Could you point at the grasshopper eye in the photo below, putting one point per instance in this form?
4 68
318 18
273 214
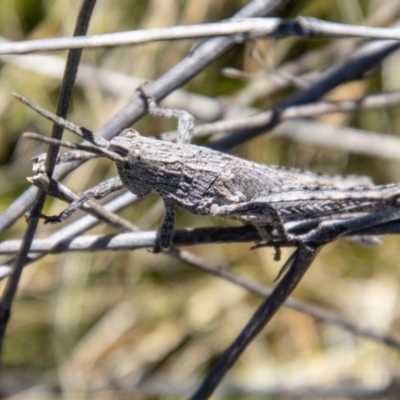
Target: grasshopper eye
130 133
136 157
138 154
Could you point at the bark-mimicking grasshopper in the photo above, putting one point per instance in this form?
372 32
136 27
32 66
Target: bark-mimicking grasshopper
212 183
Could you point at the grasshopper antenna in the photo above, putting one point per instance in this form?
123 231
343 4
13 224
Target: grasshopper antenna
76 146
80 131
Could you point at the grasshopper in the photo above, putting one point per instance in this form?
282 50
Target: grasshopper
211 183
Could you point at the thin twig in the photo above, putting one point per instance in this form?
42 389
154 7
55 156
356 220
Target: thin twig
75 228
10 290
303 258
380 223
357 65
240 29
304 67
318 108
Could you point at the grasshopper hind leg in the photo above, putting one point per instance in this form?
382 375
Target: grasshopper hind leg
261 215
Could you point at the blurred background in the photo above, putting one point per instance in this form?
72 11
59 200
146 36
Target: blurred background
131 324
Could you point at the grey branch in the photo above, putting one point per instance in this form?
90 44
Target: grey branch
260 119
242 29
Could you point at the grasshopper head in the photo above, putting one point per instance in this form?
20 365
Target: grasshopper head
135 172
122 143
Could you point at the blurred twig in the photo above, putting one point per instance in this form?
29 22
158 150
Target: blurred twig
351 140
339 391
